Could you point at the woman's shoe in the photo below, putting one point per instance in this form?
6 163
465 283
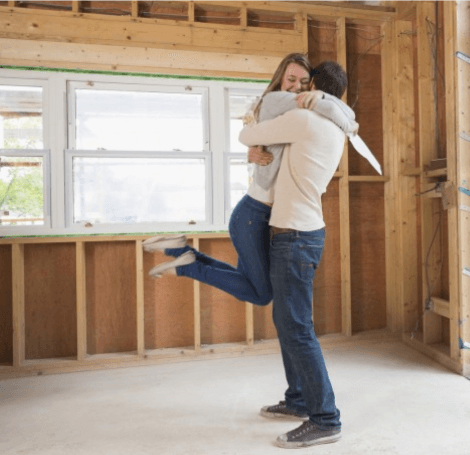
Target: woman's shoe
169 268
161 242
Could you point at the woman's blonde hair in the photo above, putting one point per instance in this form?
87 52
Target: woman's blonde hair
276 81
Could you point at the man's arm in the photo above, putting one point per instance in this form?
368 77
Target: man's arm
285 129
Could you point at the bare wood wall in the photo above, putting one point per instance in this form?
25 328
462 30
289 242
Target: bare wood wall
376 235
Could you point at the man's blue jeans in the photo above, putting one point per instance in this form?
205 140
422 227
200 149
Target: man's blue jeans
294 257
249 281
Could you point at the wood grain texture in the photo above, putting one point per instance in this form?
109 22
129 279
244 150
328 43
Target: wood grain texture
111 297
222 316
367 256
169 313
50 301
6 305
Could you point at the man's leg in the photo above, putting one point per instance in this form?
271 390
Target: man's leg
294 258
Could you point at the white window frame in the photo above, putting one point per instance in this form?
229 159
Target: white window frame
56 110
204 153
143 227
20 79
229 155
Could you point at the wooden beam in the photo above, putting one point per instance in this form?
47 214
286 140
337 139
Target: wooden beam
11 4
120 31
243 17
139 259
18 305
345 247
325 10
81 302
369 178
301 22
450 75
462 44
75 6
432 324
135 8
440 307
103 238
407 187
191 12
393 252
134 59
197 307
249 324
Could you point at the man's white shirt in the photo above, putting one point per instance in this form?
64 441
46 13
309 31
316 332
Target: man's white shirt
309 161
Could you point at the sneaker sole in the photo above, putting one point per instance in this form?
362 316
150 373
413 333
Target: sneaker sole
299 445
279 415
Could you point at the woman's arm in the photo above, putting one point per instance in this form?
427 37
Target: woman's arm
285 129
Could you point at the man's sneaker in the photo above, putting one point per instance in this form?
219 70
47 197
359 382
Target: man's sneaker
280 411
161 242
170 266
307 435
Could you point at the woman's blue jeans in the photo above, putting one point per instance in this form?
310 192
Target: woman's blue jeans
294 257
249 281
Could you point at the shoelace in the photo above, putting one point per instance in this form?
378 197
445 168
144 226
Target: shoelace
301 430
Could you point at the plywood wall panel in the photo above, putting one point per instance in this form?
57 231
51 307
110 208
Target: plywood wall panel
327 283
222 316
169 310
111 297
6 308
50 301
321 41
367 256
365 94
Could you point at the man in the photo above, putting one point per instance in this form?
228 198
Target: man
315 146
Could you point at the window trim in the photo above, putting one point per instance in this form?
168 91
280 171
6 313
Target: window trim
70 154
55 124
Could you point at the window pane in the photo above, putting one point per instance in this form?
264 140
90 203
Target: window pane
238 107
21 191
144 121
240 177
133 190
21 117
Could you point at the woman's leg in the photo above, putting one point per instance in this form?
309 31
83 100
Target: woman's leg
249 230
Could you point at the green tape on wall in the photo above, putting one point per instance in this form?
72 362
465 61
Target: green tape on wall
123 73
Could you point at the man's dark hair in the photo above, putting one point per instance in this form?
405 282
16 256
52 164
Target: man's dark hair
330 77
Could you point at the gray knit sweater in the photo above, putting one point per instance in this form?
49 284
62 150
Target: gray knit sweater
277 103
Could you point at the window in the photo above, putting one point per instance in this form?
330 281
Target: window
238 102
125 154
24 163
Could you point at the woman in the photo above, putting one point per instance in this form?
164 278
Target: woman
249 222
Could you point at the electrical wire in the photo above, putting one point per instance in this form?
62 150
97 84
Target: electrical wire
355 92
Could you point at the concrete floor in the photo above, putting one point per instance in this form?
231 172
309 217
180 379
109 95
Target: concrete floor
394 401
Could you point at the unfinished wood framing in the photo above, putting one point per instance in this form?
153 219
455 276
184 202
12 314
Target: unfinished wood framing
346 323
81 302
375 267
462 109
18 305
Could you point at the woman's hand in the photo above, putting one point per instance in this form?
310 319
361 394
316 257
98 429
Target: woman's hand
308 100
259 156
